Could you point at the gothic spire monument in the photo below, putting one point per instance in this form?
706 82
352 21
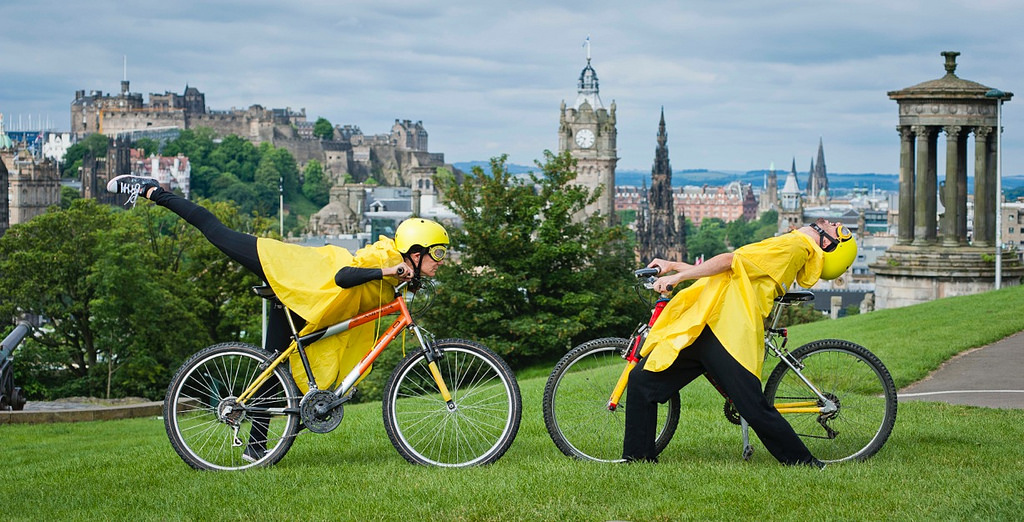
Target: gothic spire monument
587 130
817 179
660 233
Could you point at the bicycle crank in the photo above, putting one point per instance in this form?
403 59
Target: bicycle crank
317 414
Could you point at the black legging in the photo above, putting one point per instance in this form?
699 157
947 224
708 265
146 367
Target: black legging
646 389
240 247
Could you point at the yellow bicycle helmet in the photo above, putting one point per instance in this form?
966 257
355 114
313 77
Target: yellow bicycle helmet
840 254
423 233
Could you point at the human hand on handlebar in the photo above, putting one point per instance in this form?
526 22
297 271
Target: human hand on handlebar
665 284
402 271
665 266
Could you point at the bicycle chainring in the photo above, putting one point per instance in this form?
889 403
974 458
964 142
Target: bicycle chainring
731 412
320 423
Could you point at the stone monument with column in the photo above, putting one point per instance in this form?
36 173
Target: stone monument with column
931 258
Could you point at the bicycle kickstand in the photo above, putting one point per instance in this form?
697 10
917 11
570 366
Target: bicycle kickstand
748 450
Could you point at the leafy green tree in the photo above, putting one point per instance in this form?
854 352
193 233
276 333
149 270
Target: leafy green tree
197 144
267 186
533 275
112 326
323 129
229 311
68 195
236 156
288 170
708 240
315 185
149 146
738 233
766 226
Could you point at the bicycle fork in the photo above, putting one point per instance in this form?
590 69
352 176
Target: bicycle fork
632 355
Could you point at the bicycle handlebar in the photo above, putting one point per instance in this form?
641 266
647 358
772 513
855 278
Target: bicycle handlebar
647 276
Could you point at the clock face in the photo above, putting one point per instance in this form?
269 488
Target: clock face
585 138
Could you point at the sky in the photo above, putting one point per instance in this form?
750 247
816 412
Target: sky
744 84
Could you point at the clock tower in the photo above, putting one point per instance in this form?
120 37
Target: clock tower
587 131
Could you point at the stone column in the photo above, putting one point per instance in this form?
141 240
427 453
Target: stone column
984 230
925 181
949 194
995 200
961 189
906 224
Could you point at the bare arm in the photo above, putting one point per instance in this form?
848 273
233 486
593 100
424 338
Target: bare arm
686 272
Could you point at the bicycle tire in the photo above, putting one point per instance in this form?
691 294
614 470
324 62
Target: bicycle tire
198 430
575 403
861 384
488 407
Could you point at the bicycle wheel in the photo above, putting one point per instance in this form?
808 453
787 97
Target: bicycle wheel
856 380
576 403
201 415
484 420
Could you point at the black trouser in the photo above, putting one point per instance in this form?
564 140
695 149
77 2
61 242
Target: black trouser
240 247
706 354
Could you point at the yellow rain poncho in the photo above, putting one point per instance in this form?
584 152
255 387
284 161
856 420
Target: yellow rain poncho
303 279
734 303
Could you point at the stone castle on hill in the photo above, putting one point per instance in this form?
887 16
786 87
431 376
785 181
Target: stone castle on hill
399 158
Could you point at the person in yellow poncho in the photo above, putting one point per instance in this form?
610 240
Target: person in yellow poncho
716 326
320 285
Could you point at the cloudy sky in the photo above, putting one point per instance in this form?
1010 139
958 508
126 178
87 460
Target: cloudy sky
744 83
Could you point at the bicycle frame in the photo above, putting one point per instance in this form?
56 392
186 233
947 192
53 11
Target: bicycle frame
404 320
772 334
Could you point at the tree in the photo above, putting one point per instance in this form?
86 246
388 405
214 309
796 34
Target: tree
68 195
708 240
112 326
533 275
267 186
149 146
323 129
230 311
315 185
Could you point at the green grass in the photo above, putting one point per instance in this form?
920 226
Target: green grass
942 462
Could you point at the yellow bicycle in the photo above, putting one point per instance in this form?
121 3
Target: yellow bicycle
449 403
837 395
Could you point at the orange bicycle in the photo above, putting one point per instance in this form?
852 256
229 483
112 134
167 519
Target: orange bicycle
449 403
837 395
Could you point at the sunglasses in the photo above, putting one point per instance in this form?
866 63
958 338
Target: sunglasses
437 252
841 231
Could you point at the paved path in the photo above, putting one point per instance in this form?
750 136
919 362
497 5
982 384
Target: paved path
991 376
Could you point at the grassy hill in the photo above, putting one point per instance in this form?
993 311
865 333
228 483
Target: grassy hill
942 462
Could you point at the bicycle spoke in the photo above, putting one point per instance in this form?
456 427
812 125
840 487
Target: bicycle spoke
476 429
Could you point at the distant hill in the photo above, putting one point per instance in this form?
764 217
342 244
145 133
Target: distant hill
712 177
